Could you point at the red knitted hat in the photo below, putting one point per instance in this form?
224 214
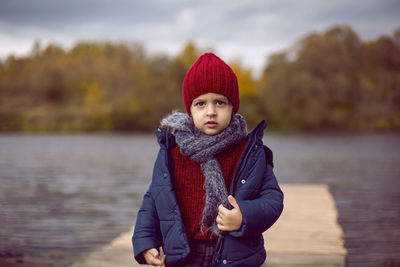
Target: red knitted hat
210 74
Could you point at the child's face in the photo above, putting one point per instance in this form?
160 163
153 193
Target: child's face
211 113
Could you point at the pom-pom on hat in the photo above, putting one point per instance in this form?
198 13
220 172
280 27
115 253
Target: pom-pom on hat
210 74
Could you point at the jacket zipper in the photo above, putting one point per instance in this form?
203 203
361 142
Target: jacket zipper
241 167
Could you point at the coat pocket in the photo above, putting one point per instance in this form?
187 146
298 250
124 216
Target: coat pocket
247 251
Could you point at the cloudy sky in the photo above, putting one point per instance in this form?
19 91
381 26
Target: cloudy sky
248 29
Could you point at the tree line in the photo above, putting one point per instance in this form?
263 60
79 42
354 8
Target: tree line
330 80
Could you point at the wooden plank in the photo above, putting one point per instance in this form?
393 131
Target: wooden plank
307 233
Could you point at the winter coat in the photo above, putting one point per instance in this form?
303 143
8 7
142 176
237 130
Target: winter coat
254 187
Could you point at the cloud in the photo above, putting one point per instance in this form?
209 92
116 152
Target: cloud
250 29
51 14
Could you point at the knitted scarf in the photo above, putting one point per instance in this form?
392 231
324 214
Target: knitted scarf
203 149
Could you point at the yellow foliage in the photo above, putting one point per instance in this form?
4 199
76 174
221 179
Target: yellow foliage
96 107
94 95
247 84
189 54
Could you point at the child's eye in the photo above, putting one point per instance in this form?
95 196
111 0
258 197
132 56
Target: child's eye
221 103
200 104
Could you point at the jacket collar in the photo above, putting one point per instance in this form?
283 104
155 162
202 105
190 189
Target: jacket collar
165 139
256 135
258 131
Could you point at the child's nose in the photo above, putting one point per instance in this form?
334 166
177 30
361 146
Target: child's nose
211 110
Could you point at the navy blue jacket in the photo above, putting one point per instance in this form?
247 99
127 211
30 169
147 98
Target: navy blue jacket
254 187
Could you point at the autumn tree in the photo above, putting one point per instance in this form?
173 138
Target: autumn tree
328 82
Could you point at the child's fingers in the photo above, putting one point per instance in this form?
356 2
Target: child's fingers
222 210
162 256
219 220
157 261
233 202
223 227
153 252
161 252
163 260
220 226
151 257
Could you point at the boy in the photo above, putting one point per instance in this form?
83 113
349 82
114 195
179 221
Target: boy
187 217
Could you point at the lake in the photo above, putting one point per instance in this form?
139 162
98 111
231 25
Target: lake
64 195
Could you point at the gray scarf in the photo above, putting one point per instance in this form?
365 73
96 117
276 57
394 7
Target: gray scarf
203 149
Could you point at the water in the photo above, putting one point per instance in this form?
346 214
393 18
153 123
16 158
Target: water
61 196
363 174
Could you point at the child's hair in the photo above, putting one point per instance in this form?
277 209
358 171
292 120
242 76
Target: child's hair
210 74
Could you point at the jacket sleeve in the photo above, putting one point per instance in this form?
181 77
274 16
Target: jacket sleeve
260 213
147 231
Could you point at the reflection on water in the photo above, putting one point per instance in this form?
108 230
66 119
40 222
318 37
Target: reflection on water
64 195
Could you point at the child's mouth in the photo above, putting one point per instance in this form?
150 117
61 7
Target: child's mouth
211 124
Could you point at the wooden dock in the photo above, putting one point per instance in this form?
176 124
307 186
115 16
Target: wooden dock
306 234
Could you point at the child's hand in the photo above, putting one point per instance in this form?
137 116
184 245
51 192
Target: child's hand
153 257
229 220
